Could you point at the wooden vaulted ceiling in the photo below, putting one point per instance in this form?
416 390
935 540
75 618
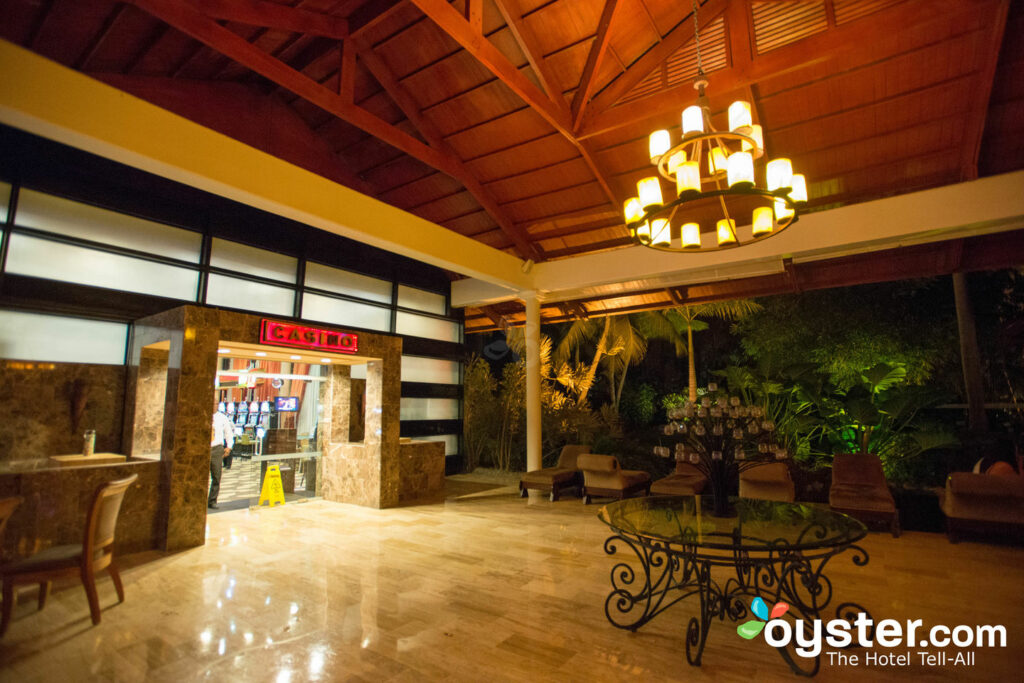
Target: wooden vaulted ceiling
523 123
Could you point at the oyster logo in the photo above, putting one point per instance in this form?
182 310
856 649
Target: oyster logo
750 629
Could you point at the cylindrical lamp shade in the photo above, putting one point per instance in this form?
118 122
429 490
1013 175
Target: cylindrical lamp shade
632 210
675 161
757 134
659 143
780 174
661 234
739 115
782 210
693 120
799 191
763 219
691 236
717 163
741 169
649 190
688 177
643 231
726 231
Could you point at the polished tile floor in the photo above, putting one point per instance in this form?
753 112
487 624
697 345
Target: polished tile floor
482 586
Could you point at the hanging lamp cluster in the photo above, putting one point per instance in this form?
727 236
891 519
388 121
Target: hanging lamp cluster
728 168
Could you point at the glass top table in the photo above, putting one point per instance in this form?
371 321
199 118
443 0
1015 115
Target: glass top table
670 548
756 525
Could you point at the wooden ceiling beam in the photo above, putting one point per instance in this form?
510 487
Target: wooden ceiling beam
369 14
272 15
984 78
854 41
449 20
398 92
593 65
191 22
534 55
680 35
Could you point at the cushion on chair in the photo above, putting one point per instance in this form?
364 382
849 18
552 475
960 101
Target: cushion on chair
679 485
858 469
597 463
55 557
853 497
569 455
968 484
633 477
549 476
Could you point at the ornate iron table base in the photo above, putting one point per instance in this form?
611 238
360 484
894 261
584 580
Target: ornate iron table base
673 572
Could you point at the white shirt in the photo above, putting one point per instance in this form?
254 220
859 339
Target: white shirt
223 430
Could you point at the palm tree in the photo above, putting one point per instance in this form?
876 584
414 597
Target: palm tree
617 345
677 325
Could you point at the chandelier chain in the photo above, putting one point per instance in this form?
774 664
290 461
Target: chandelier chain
696 40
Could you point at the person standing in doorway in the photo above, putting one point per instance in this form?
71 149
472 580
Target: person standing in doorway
221 441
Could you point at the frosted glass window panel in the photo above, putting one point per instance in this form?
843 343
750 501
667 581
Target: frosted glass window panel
347 283
345 313
422 326
5 201
34 337
358 371
55 261
251 296
451 442
432 370
252 261
421 300
430 409
65 217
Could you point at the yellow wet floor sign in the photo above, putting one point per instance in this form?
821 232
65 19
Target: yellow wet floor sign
273 490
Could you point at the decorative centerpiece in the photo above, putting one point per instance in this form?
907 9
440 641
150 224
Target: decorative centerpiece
721 437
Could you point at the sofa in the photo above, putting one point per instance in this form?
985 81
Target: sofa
602 476
768 482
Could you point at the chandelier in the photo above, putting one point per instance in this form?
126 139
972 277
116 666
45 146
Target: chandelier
720 177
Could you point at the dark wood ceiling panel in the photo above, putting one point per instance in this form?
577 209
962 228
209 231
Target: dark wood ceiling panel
446 208
535 154
423 190
557 203
491 100
472 224
566 174
869 98
502 132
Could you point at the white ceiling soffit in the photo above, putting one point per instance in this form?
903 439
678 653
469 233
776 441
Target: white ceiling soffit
987 205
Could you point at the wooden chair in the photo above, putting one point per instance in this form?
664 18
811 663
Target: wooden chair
96 552
859 489
602 477
768 482
564 475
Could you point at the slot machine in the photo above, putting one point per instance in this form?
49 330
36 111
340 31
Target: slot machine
265 414
242 414
221 407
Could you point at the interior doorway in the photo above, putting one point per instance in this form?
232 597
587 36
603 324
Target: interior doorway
276 399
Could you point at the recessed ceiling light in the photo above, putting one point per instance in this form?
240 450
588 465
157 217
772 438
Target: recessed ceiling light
296 357
223 350
325 360
261 353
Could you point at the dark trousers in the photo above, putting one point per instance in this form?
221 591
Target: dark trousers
216 463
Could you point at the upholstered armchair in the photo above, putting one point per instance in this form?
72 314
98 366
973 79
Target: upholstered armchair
983 503
768 482
602 476
687 480
859 489
564 475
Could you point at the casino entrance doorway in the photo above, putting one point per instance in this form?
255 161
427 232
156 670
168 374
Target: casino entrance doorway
277 401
